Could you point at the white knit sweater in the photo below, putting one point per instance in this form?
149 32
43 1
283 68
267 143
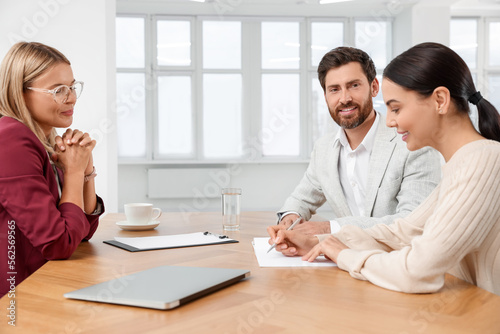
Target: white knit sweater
455 230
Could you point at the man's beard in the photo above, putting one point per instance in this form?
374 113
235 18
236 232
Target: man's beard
355 120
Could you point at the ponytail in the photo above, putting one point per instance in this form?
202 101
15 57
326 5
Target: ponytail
489 119
426 66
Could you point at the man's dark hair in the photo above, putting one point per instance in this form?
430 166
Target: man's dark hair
342 56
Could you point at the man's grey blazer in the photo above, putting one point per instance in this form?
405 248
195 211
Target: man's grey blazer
398 181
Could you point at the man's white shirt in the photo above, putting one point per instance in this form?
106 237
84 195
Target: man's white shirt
353 168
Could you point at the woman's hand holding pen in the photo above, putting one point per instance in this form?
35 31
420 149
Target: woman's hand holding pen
290 242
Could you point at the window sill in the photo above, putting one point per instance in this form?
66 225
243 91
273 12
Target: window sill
210 162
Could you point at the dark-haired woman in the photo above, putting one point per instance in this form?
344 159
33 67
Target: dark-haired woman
456 230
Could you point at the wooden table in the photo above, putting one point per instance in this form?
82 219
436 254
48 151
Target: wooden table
272 300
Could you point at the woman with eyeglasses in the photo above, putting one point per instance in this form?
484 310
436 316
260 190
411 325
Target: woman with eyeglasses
427 91
48 203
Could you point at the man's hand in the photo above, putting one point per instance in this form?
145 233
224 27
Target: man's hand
313 228
309 227
289 219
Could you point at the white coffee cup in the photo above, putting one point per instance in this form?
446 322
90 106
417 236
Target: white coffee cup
141 213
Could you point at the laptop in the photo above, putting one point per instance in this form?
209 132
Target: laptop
162 288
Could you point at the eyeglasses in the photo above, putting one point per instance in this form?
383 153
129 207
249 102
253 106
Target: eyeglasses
61 93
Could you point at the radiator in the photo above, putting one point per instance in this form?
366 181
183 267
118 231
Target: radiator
187 182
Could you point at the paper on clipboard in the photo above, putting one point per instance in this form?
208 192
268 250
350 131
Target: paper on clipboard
170 241
276 259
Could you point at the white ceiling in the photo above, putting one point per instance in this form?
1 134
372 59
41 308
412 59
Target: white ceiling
305 7
343 2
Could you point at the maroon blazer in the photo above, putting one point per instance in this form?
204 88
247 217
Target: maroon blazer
34 228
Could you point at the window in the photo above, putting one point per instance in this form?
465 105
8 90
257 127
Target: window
201 89
280 114
221 45
280 45
222 90
173 133
482 59
131 83
130 42
463 40
325 36
173 43
175 119
494 90
222 123
493 67
372 36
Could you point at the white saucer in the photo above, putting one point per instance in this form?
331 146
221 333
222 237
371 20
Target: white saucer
125 225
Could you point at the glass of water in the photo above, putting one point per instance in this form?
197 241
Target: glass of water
231 198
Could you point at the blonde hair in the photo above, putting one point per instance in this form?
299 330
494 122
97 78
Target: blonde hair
22 65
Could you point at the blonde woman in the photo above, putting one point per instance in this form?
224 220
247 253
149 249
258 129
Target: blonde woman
48 203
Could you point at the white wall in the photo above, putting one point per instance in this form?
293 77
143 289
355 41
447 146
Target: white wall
425 22
402 31
264 186
84 32
431 23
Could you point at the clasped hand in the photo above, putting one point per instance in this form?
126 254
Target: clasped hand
73 151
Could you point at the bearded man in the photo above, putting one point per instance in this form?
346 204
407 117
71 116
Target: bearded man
364 171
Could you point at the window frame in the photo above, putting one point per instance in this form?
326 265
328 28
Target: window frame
138 70
488 70
251 71
155 71
312 73
483 69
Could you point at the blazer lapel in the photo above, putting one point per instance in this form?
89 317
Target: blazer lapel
338 202
381 154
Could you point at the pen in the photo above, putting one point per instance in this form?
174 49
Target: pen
288 229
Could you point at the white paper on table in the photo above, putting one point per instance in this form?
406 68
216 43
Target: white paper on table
173 241
276 259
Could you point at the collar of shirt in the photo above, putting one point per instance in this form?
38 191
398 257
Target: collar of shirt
367 142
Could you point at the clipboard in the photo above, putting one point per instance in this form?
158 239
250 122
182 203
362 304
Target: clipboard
140 244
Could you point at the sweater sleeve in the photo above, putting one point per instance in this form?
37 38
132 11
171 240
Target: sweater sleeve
28 194
464 212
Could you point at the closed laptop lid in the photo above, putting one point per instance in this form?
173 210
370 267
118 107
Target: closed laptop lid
163 287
